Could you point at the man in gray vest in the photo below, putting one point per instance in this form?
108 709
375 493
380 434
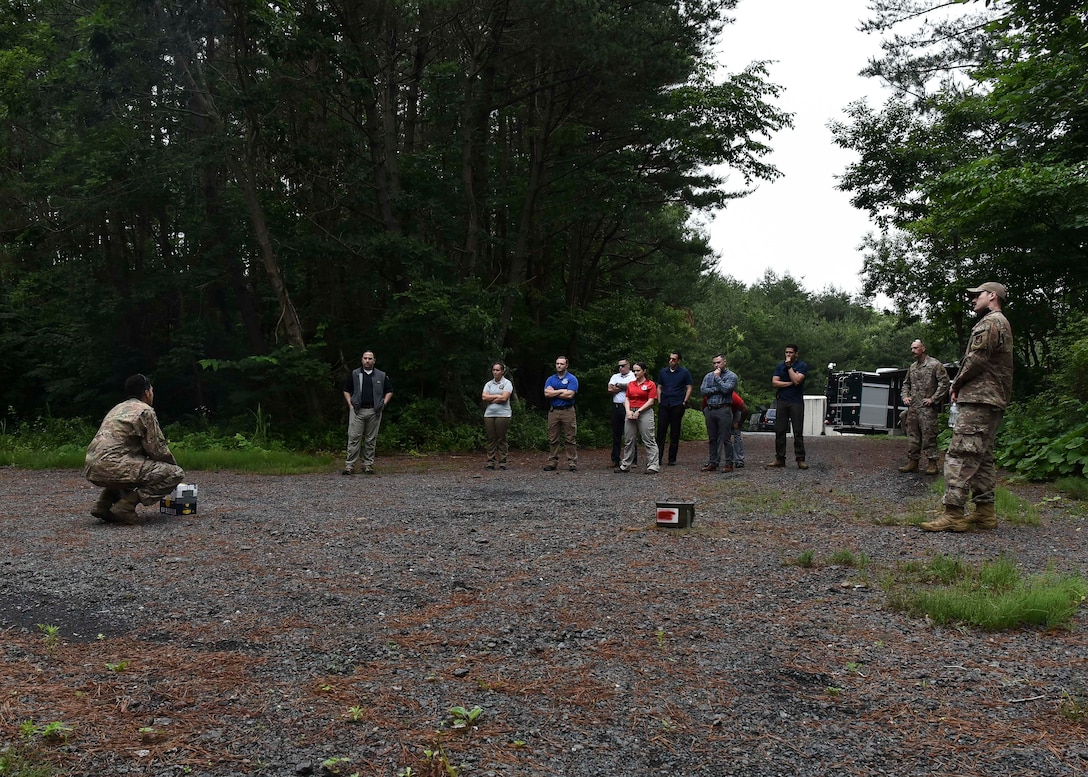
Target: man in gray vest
367 392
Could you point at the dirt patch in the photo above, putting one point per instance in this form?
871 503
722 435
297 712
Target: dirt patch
300 620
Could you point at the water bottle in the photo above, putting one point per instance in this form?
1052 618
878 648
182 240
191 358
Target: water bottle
953 413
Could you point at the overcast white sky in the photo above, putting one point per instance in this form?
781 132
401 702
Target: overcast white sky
800 224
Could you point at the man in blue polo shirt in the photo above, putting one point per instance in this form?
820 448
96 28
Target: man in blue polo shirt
560 390
673 392
788 381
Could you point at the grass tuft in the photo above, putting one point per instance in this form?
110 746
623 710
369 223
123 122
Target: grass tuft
1074 487
1014 509
993 597
847 558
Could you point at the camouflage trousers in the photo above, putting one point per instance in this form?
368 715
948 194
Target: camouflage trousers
920 424
155 480
969 464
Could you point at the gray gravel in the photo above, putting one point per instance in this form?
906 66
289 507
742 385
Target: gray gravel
306 618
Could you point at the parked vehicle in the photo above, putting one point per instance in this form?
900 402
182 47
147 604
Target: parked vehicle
763 421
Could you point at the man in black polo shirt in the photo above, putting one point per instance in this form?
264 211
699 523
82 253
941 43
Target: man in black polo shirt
674 386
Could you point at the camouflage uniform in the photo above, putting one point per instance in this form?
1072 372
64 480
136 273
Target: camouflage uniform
928 380
983 387
129 453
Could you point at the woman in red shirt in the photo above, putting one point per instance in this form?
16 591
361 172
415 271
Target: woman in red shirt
639 404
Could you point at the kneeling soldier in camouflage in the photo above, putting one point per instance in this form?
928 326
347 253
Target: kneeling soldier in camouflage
129 458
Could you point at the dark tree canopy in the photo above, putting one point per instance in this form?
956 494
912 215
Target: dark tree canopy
240 197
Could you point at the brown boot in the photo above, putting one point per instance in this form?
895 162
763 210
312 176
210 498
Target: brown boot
106 500
124 511
910 466
984 517
932 468
952 520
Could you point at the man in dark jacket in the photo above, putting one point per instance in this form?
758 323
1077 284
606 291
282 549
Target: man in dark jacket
367 392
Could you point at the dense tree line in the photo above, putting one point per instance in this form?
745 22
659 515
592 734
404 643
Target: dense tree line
240 196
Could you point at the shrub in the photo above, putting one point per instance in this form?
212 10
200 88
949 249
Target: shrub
1045 438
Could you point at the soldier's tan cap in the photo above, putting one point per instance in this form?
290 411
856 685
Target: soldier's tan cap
993 286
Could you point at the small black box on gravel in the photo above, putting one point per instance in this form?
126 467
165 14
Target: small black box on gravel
675 514
182 501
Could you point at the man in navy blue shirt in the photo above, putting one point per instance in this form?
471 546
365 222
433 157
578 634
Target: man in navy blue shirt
789 383
673 392
560 390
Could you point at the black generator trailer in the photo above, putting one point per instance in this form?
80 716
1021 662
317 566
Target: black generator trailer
865 402
868 402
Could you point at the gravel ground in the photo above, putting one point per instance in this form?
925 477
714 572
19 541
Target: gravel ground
303 619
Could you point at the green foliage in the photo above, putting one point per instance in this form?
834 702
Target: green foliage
50 635
1044 438
1014 509
1074 487
53 731
1074 707
231 216
805 559
461 717
993 597
828 327
24 761
847 558
975 169
693 424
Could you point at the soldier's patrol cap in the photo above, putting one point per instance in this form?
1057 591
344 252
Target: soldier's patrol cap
993 286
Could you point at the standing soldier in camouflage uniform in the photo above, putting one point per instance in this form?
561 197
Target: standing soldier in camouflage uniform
924 389
981 389
129 458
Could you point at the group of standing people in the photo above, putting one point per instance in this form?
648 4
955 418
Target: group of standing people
635 395
131 462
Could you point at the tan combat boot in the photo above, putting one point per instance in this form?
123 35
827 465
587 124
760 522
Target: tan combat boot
984 517
106 500
910 466
952 520
124 511
932 468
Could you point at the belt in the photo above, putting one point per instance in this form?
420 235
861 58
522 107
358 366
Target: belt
567 407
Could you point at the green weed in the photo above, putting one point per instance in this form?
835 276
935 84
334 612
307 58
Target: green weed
19 761
461 717
54 731
847 558
439 762
1074 487
333 765
255 460
50 635
1074 707
1015 510
805 559
993 597
912 514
